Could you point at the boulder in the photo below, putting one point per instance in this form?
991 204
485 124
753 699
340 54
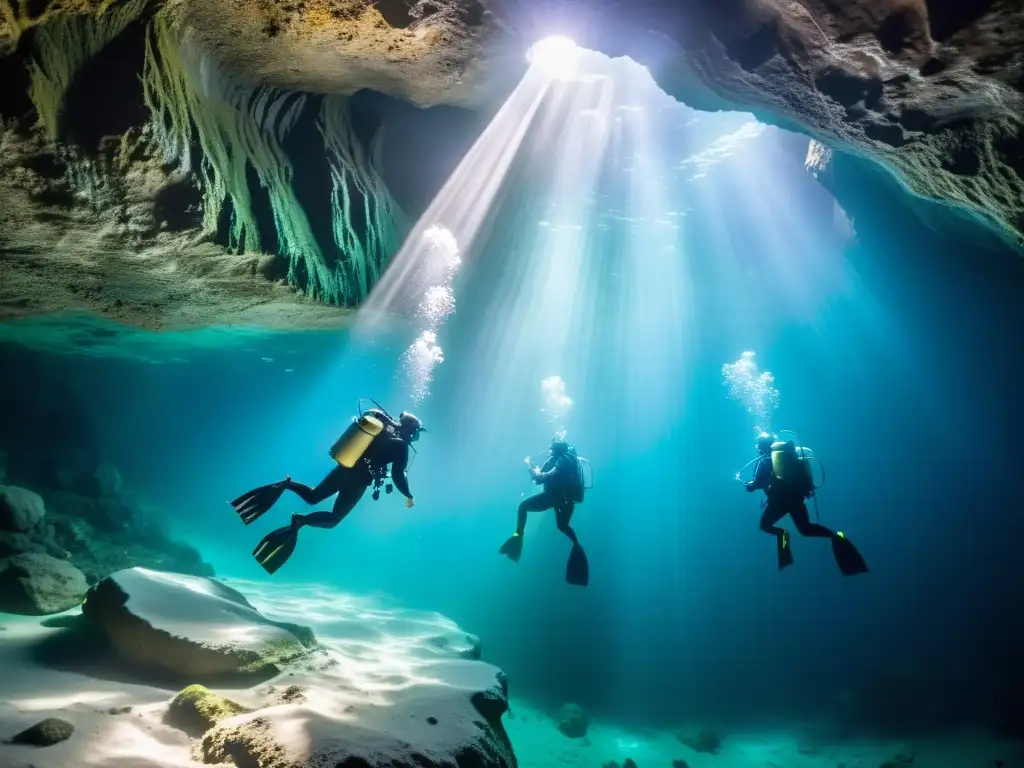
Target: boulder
573 721
190 627
45 733
15 544
35 584
704 740
451 718
20 509
197 709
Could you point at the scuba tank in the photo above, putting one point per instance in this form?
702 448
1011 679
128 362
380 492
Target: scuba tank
584 472
789 465
357 439
354 441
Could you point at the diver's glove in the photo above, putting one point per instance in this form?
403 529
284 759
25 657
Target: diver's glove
750 487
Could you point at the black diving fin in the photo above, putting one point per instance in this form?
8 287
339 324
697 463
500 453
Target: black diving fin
577 570
847 557
276 547
251 506
784 550
513 547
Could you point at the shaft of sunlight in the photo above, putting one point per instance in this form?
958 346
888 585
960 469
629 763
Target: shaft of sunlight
463 202
543 256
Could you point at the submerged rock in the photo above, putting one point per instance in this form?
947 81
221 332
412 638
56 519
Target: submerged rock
189 626
20 509
573 721
37 585
45 733
704 740
454 721
197 709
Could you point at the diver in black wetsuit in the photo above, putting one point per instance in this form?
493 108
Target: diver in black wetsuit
787 497
391 447
562 480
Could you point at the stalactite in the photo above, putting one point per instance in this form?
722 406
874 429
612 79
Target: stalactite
363 258
236 127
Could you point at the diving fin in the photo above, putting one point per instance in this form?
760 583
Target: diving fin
276 547
577 570
784 550
847 557
251 506
513 547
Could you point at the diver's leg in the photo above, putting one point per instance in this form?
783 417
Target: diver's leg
329 486
773 512
348 496
802 520
536 503
563 514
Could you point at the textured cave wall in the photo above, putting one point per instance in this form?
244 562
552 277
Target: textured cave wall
140 184
930 90
183 163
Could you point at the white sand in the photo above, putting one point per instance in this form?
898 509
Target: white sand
395 650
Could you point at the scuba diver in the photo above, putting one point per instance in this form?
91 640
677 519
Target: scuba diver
363 452
563 483
783 473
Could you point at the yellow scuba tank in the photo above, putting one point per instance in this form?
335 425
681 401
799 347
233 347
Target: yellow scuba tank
791 465
351 446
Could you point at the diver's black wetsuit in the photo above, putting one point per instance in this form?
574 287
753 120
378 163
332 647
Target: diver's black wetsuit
351 483
558 475
783 500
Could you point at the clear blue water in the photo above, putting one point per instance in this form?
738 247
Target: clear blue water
896 356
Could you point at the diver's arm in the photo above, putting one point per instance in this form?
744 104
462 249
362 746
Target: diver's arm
762 476
398 467
556 465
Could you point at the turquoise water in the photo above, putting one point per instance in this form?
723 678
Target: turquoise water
895 357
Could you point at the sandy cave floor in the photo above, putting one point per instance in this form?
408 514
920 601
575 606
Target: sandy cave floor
107 737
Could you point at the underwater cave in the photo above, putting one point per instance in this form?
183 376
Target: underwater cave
630 384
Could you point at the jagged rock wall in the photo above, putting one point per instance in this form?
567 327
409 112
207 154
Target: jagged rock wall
184 202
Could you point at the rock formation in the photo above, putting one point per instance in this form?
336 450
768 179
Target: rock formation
385 686
185 163
62 505
38 584
188 626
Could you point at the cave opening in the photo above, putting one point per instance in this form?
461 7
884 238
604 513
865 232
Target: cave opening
105 97
948 17
15 101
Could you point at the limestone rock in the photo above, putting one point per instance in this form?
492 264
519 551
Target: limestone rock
453 721
189 626
197 709
20 509
36 584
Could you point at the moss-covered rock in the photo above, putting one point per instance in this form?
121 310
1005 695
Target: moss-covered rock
45 733
197 709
